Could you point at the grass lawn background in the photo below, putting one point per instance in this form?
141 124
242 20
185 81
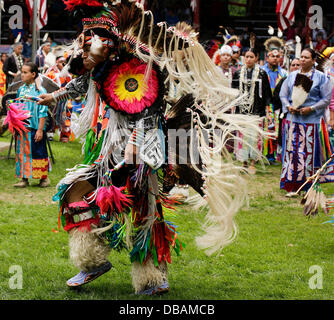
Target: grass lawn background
270 259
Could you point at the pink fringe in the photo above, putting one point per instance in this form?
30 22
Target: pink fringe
15 118
112 197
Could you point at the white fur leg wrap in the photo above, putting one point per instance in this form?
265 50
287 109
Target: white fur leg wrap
87 250
147 275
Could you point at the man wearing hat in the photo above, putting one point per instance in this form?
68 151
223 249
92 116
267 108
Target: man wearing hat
13 64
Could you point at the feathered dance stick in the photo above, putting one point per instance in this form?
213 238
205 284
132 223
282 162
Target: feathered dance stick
300 91
315 196
17 118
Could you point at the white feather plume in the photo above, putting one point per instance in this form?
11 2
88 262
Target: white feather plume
18 38
298 49
45 37
279 33
271 30
311 44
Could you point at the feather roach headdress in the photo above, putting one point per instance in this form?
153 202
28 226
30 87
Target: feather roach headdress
232 40
273 43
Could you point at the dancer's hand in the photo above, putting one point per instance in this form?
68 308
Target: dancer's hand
305 111
38 135
46 99
293 109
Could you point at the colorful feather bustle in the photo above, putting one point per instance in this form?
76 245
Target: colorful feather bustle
16 118
126 89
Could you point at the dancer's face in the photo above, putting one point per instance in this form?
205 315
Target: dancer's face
18 49
225 58
295 65
274 58
91 60
306 61
236 55
61 63
250 59
26 75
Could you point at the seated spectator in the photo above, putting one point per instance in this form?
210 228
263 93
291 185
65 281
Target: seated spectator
321 42
50 40
315 32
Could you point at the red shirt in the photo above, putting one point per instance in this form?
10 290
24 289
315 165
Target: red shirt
321 46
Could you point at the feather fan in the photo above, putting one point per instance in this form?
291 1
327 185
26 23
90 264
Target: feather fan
301 89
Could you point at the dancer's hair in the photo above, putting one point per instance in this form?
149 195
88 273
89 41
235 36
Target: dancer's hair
253 50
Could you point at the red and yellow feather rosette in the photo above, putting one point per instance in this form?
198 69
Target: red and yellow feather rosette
126 90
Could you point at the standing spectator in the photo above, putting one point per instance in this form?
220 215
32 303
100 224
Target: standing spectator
330 74
42 52
225 53
306 154
295 65
31 152
2 76
56 73
251 79
275 74
236 59
13 64
27 48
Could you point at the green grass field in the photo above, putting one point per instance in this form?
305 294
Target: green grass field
270 259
